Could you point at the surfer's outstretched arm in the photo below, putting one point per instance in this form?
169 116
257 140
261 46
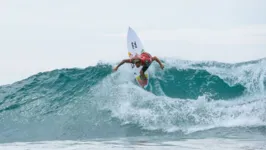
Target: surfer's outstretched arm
158 61
121 63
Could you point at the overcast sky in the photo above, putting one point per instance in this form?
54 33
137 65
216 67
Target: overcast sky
42 35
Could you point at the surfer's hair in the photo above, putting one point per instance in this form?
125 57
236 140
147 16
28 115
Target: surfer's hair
135 61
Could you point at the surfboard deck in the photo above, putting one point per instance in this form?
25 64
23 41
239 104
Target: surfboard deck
135 47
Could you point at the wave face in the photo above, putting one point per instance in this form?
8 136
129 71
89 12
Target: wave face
186 100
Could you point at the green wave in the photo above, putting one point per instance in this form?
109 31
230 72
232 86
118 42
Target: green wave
185 99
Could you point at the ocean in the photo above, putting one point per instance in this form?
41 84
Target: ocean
188 105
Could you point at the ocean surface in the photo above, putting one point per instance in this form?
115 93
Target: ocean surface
188 105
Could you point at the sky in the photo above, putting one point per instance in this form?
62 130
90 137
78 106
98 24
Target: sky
43 35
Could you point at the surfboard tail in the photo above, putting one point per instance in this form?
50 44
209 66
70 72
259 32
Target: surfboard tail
141 82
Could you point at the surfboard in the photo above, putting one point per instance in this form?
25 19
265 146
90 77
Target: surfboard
135 47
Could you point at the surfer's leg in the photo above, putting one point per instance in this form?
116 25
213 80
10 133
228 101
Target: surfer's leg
142 72
142 76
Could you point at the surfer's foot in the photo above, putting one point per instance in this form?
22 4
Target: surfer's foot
143 78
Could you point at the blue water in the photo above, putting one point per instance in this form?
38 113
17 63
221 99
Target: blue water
186 100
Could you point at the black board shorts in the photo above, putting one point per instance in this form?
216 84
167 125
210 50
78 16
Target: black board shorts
146 66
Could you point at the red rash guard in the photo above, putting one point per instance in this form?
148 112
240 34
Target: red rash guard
145 59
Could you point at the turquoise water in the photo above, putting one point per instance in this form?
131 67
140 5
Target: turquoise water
187 100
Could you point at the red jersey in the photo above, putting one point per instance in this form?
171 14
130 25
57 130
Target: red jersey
145 58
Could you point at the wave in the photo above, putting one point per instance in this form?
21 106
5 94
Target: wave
186 99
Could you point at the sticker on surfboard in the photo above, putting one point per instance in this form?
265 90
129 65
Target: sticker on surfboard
135 47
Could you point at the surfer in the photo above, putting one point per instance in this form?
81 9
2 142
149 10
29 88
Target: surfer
145 60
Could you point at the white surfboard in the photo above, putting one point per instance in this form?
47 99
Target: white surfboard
135 47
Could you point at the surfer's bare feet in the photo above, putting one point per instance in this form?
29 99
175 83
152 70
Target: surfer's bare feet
143 78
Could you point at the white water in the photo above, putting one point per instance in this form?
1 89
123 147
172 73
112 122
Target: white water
132 104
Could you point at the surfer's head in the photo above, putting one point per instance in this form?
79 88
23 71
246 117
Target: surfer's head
137 62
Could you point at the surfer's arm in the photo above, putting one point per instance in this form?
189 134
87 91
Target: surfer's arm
158 61
122 62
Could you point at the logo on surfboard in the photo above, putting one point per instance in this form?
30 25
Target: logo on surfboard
134 45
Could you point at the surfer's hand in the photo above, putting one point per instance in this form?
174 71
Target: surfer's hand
115 69
162 66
